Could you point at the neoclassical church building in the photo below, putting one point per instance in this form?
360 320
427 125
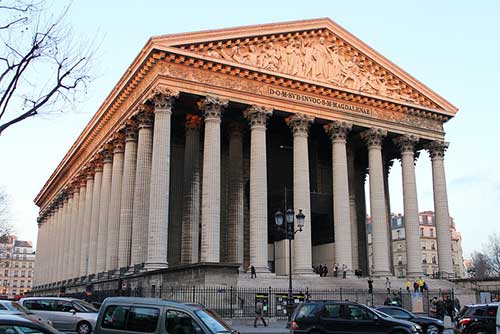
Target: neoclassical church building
208 134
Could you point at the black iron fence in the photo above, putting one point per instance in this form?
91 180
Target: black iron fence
232 302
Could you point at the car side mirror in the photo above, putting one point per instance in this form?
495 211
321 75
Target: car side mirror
72 311
198 330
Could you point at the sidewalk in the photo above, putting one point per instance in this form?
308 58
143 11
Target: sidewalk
274 327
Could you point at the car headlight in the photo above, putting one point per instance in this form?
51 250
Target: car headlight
416 328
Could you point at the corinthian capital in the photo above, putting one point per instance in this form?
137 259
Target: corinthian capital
193 122
130 130
144 116
118 142
437 148
406 143
373 136
338 130
212 107
299 124
162 97
257 115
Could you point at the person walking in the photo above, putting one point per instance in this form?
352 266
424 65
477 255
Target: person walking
421 284
335 270
415 286
388 285
440 308
325 270
253 272
370 285
344 271
259 309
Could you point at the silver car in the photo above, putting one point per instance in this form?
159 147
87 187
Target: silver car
66 314
15 307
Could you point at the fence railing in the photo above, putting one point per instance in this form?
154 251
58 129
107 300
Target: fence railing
238 302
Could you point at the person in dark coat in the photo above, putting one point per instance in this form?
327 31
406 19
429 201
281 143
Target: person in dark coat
253 272
259 310
370 285
440 308
325 270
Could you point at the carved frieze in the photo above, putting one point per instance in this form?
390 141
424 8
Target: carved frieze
321 57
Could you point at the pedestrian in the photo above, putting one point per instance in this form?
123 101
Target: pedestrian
388 285
449 306
440 308
325 270
253 272
433 309
388 300
420 284
415 286
456 302
344 271
408 285
370 285
259 313
335 270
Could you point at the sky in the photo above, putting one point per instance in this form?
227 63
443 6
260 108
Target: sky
450 46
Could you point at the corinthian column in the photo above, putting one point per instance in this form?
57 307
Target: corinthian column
341 208
351 175
257 116
94 222
212 108
236 194
72 247
102 239
160 179
441 213
61 250
140 212
191 203
127 199
87 222
302 245
79 230
406 144
380 239
115 202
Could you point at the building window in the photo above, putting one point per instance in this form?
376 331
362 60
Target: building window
16 264
399 234
14 284
15 273
422 232
6 272
29 273
433 246
24 264
21 284
5 283
434 260
29 284
400 260
23 273
432 232
424 259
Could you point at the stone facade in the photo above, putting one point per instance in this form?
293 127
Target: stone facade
17 266
200 143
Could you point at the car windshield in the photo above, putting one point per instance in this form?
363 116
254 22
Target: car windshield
86 306
15 306
213 321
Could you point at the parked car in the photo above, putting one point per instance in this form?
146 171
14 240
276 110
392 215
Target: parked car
149 315
429 325
13 306
66 314
330 317
21 324
477 319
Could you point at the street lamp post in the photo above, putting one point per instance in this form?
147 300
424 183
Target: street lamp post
289 231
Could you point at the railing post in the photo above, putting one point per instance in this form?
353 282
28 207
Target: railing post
231 302
194 288
341 294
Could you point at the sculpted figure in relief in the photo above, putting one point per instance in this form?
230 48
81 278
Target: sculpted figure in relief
318 59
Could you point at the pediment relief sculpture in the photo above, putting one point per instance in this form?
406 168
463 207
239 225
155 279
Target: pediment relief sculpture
323 59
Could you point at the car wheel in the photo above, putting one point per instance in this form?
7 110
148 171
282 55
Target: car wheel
83 328
432 330
480 331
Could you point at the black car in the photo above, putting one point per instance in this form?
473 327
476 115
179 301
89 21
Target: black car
477 319
21 324
330 317
429 325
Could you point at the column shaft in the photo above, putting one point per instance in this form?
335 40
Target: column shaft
412 236
341 206
62 250
72 249
191 202
160 181
87 226
102 239
79 231
140 212
351 175
302 244
236 194
211 184
257 117
380 241
441 212
127 199
94 223
115 203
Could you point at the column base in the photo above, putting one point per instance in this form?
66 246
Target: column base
304 272
155 265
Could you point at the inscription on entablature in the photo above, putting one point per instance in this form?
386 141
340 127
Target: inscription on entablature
318 101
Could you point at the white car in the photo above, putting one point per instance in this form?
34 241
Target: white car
66 314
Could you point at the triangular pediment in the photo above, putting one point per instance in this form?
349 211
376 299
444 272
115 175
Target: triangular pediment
315 50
